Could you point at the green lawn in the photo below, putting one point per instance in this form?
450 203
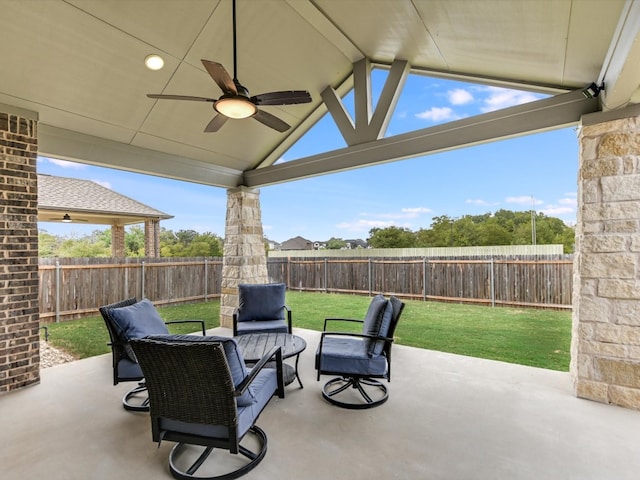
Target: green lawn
538 338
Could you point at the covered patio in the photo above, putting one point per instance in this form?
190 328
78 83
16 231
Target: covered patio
448 417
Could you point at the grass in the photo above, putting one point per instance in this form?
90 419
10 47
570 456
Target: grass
538 338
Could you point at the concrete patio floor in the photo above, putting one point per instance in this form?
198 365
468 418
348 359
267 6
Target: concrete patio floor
448 417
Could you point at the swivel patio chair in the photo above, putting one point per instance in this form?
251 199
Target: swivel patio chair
129 319
202 396
261 309
359 359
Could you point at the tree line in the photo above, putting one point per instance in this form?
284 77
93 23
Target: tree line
183 243
504 227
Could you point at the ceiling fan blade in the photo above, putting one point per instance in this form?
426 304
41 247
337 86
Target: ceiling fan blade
289 97
220 76
271 121
180 97
215 124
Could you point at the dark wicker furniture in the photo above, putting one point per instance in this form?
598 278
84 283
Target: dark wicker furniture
261 309
124 363
359 359
203 397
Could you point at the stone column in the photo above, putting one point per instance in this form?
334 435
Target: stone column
245 259
605 350
152 238
117 241
19 308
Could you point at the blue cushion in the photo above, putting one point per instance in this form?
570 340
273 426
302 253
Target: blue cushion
139 320
261 301
348 355
235 360
377 322
262 326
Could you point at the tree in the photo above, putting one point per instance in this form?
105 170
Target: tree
391 237
336 243
134 241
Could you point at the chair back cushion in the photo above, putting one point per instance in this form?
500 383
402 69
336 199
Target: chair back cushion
261 301
377 322
237 367
138 320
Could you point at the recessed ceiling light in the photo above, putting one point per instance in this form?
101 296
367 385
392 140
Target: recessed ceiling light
154 62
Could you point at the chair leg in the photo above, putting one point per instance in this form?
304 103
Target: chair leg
136 399
254 459
376 396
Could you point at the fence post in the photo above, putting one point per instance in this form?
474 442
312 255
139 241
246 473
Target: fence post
493 287
324 280
424 279
370 275
57 291
142 279
206 279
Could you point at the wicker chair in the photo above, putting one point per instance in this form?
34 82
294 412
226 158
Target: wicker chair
120 319
202 396
262 309
359 358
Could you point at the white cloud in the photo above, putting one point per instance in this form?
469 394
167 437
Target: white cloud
407 212
502 98
64 163
572 202
524 200
436 114
554 211
459 96
364 225
103 183
415 211
480 202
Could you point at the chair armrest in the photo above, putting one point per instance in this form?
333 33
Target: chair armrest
274 352
351 320
235 321
201 322
356 335
286 307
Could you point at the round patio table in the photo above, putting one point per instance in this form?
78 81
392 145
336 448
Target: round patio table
255 345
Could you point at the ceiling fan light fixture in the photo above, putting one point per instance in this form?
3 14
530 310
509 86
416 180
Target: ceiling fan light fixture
66 218
154 62
235 107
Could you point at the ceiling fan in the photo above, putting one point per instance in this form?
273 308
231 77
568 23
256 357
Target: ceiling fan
235 101
66 218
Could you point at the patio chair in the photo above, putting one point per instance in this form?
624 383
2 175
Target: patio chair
202 396
129 319
359 359
261 309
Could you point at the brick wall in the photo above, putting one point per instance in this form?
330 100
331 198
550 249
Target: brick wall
152 238
605 353
117 241
19 322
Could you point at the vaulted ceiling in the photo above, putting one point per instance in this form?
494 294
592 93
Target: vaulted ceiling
79 66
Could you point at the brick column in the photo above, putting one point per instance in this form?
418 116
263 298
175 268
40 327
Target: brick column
245 259
152 238
117 241
19 318
605 350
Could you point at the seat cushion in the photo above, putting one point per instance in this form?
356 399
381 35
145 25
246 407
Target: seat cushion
349 356
237 367
262 326
377 323
261 301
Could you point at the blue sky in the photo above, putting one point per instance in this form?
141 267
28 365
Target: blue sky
514 174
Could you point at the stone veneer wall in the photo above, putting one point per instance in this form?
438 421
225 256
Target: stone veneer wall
605 354
19 320
245 259
117 241
152 238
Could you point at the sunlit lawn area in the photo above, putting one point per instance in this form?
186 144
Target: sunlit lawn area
539 338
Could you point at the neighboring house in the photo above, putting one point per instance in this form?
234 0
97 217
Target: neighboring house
319 245
272 244
68 200
358 243
297 243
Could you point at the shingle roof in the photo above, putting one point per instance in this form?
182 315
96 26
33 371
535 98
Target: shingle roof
85 196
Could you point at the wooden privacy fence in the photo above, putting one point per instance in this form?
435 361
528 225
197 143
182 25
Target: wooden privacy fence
75 287
515 281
